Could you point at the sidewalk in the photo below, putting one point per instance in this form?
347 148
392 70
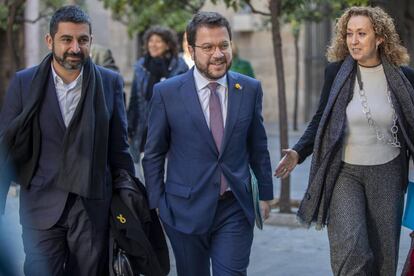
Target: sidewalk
277 250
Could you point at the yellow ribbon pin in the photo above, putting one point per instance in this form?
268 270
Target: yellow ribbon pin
121 218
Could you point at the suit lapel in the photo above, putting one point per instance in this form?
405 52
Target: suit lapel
233 106
189 96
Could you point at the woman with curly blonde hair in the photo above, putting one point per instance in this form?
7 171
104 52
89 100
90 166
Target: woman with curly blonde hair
361 138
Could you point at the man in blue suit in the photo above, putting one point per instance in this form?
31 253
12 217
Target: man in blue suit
63 131
208 123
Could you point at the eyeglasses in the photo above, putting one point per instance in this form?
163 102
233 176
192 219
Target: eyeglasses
210 49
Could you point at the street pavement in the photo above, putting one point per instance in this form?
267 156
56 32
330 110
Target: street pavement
281 248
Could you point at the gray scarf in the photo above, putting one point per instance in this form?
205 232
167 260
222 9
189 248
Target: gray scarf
326 160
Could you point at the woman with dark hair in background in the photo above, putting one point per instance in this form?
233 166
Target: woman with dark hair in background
361 137
160 62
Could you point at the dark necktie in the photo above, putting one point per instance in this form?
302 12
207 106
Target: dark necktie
216 125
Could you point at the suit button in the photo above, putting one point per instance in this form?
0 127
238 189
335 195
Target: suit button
308 196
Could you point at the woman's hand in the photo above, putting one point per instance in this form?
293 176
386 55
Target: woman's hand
287 163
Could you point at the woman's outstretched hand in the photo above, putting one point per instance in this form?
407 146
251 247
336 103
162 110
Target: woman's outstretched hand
287 163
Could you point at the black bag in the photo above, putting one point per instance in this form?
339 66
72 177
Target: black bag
121 264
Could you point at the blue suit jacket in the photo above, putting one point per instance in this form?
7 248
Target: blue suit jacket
177 130
41 205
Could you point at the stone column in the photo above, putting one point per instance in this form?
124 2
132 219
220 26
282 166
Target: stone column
32 32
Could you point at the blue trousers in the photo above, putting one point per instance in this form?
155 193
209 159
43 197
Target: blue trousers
227 244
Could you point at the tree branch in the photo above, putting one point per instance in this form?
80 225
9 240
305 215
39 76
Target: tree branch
21 19
195 8
192 7
121 19
254 10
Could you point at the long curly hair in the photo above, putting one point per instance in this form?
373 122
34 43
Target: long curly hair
383 26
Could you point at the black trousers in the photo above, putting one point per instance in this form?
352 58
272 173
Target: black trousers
71 247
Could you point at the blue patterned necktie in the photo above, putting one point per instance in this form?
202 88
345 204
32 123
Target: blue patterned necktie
216 125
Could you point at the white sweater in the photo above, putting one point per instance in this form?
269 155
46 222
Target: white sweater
361 146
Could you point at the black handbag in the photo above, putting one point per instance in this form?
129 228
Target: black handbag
121 264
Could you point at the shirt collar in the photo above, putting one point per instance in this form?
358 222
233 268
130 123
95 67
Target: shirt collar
71 85
201 81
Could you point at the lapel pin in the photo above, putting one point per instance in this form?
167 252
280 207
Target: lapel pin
238 86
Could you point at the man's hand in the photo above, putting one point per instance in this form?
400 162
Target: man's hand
265 208
287 164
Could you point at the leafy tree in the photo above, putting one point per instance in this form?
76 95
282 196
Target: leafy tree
139 15
12 36
297 12
10 40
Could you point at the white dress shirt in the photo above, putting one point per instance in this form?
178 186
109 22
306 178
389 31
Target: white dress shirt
68 95
203 93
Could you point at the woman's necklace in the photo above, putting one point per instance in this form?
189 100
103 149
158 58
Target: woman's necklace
393 140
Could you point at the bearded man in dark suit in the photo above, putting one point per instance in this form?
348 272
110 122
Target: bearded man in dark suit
63 130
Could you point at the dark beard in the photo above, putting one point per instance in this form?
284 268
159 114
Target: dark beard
207 74
68 65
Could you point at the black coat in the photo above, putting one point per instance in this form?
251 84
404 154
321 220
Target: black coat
139 104
136 229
